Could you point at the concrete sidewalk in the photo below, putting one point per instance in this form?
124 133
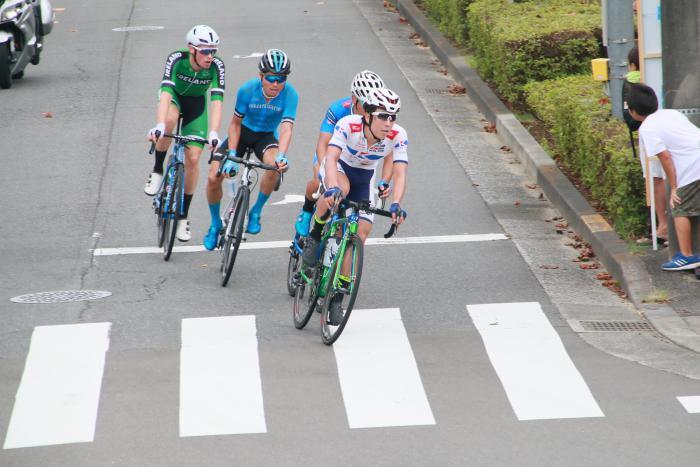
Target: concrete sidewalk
639 274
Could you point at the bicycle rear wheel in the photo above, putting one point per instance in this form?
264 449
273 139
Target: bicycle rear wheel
234 234
330 333
301 313
172 214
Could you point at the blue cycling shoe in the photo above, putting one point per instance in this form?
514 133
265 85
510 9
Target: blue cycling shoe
254 222
303 223
212 237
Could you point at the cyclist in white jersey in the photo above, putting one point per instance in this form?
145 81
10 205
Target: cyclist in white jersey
358 144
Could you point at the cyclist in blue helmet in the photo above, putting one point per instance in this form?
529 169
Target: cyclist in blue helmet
263 120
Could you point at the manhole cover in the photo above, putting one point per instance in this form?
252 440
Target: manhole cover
60 296
138 28
612 326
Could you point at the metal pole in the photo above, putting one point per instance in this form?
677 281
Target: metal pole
619 32
680 23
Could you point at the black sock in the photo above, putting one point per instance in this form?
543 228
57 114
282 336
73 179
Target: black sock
188 200
308 205
316 230
160 159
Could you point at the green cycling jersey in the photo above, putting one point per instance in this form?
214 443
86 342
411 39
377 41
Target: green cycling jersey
179 77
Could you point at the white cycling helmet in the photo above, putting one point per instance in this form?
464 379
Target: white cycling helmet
364 82
382 98
202 36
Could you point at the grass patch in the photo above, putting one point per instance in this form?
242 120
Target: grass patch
657 296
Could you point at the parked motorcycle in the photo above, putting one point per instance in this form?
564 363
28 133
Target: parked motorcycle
23 25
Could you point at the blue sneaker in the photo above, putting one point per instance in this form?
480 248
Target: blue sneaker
681 263
212 237
303 223
254 222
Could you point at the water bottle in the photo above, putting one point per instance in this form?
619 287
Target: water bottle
331 250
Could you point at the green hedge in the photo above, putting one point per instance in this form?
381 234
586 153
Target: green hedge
516 43
450 17
593 145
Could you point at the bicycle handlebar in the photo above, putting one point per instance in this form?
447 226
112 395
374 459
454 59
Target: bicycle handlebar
246 162
179 138
367 207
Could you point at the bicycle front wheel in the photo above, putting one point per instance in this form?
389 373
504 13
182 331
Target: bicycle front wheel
340 292
234 234
293 268
172 213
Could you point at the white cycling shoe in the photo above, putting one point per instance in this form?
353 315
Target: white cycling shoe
153 184
183 233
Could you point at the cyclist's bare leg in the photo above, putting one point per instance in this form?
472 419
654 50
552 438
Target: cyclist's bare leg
363 231
170 124
214 190
269 178
192 154
323 204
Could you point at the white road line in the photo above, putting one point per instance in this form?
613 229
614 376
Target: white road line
690 403
220 386
285 244
59 393
378 375
538 376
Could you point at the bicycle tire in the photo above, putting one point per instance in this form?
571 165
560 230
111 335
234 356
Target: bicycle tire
328 334
234 234
173 214
292 269
160 218
302 318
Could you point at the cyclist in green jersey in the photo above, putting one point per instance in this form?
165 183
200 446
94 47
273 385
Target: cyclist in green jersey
189 74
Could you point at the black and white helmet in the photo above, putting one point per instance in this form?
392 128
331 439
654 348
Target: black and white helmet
275 61
364 82
202 36
382 98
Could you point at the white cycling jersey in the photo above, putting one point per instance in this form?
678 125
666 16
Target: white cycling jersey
349 137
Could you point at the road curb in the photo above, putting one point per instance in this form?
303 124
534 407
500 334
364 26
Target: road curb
540 168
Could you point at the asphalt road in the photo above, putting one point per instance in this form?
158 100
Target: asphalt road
73 183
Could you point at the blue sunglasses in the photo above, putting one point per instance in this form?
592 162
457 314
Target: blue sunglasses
207 51
275 78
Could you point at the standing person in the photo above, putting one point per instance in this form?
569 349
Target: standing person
262 105
359 142
363 82
669 135
632 77
189 74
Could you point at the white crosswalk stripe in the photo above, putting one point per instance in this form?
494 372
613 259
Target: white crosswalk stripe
539 378
59 393
690 403
220 387
378 373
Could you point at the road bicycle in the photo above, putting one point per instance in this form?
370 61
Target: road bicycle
169 202
297 246
235 220
340 242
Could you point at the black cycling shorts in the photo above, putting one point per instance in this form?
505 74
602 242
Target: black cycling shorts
258 141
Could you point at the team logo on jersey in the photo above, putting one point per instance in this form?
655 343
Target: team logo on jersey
347 104
392 134
356 127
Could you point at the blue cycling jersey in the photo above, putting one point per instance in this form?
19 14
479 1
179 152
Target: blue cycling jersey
337 110
260 115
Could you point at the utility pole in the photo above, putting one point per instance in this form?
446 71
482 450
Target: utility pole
618 36
680 20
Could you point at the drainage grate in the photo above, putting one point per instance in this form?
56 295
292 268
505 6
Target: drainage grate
612 326
60 296
436 91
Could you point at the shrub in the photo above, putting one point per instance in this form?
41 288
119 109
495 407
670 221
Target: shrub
450 17
516 43
593 145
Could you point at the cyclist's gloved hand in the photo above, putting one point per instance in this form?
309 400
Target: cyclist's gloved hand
156 132
397 214
384 188
282 161
230 166
214 140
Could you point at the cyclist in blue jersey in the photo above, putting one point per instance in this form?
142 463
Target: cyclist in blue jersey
264 106
362 84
